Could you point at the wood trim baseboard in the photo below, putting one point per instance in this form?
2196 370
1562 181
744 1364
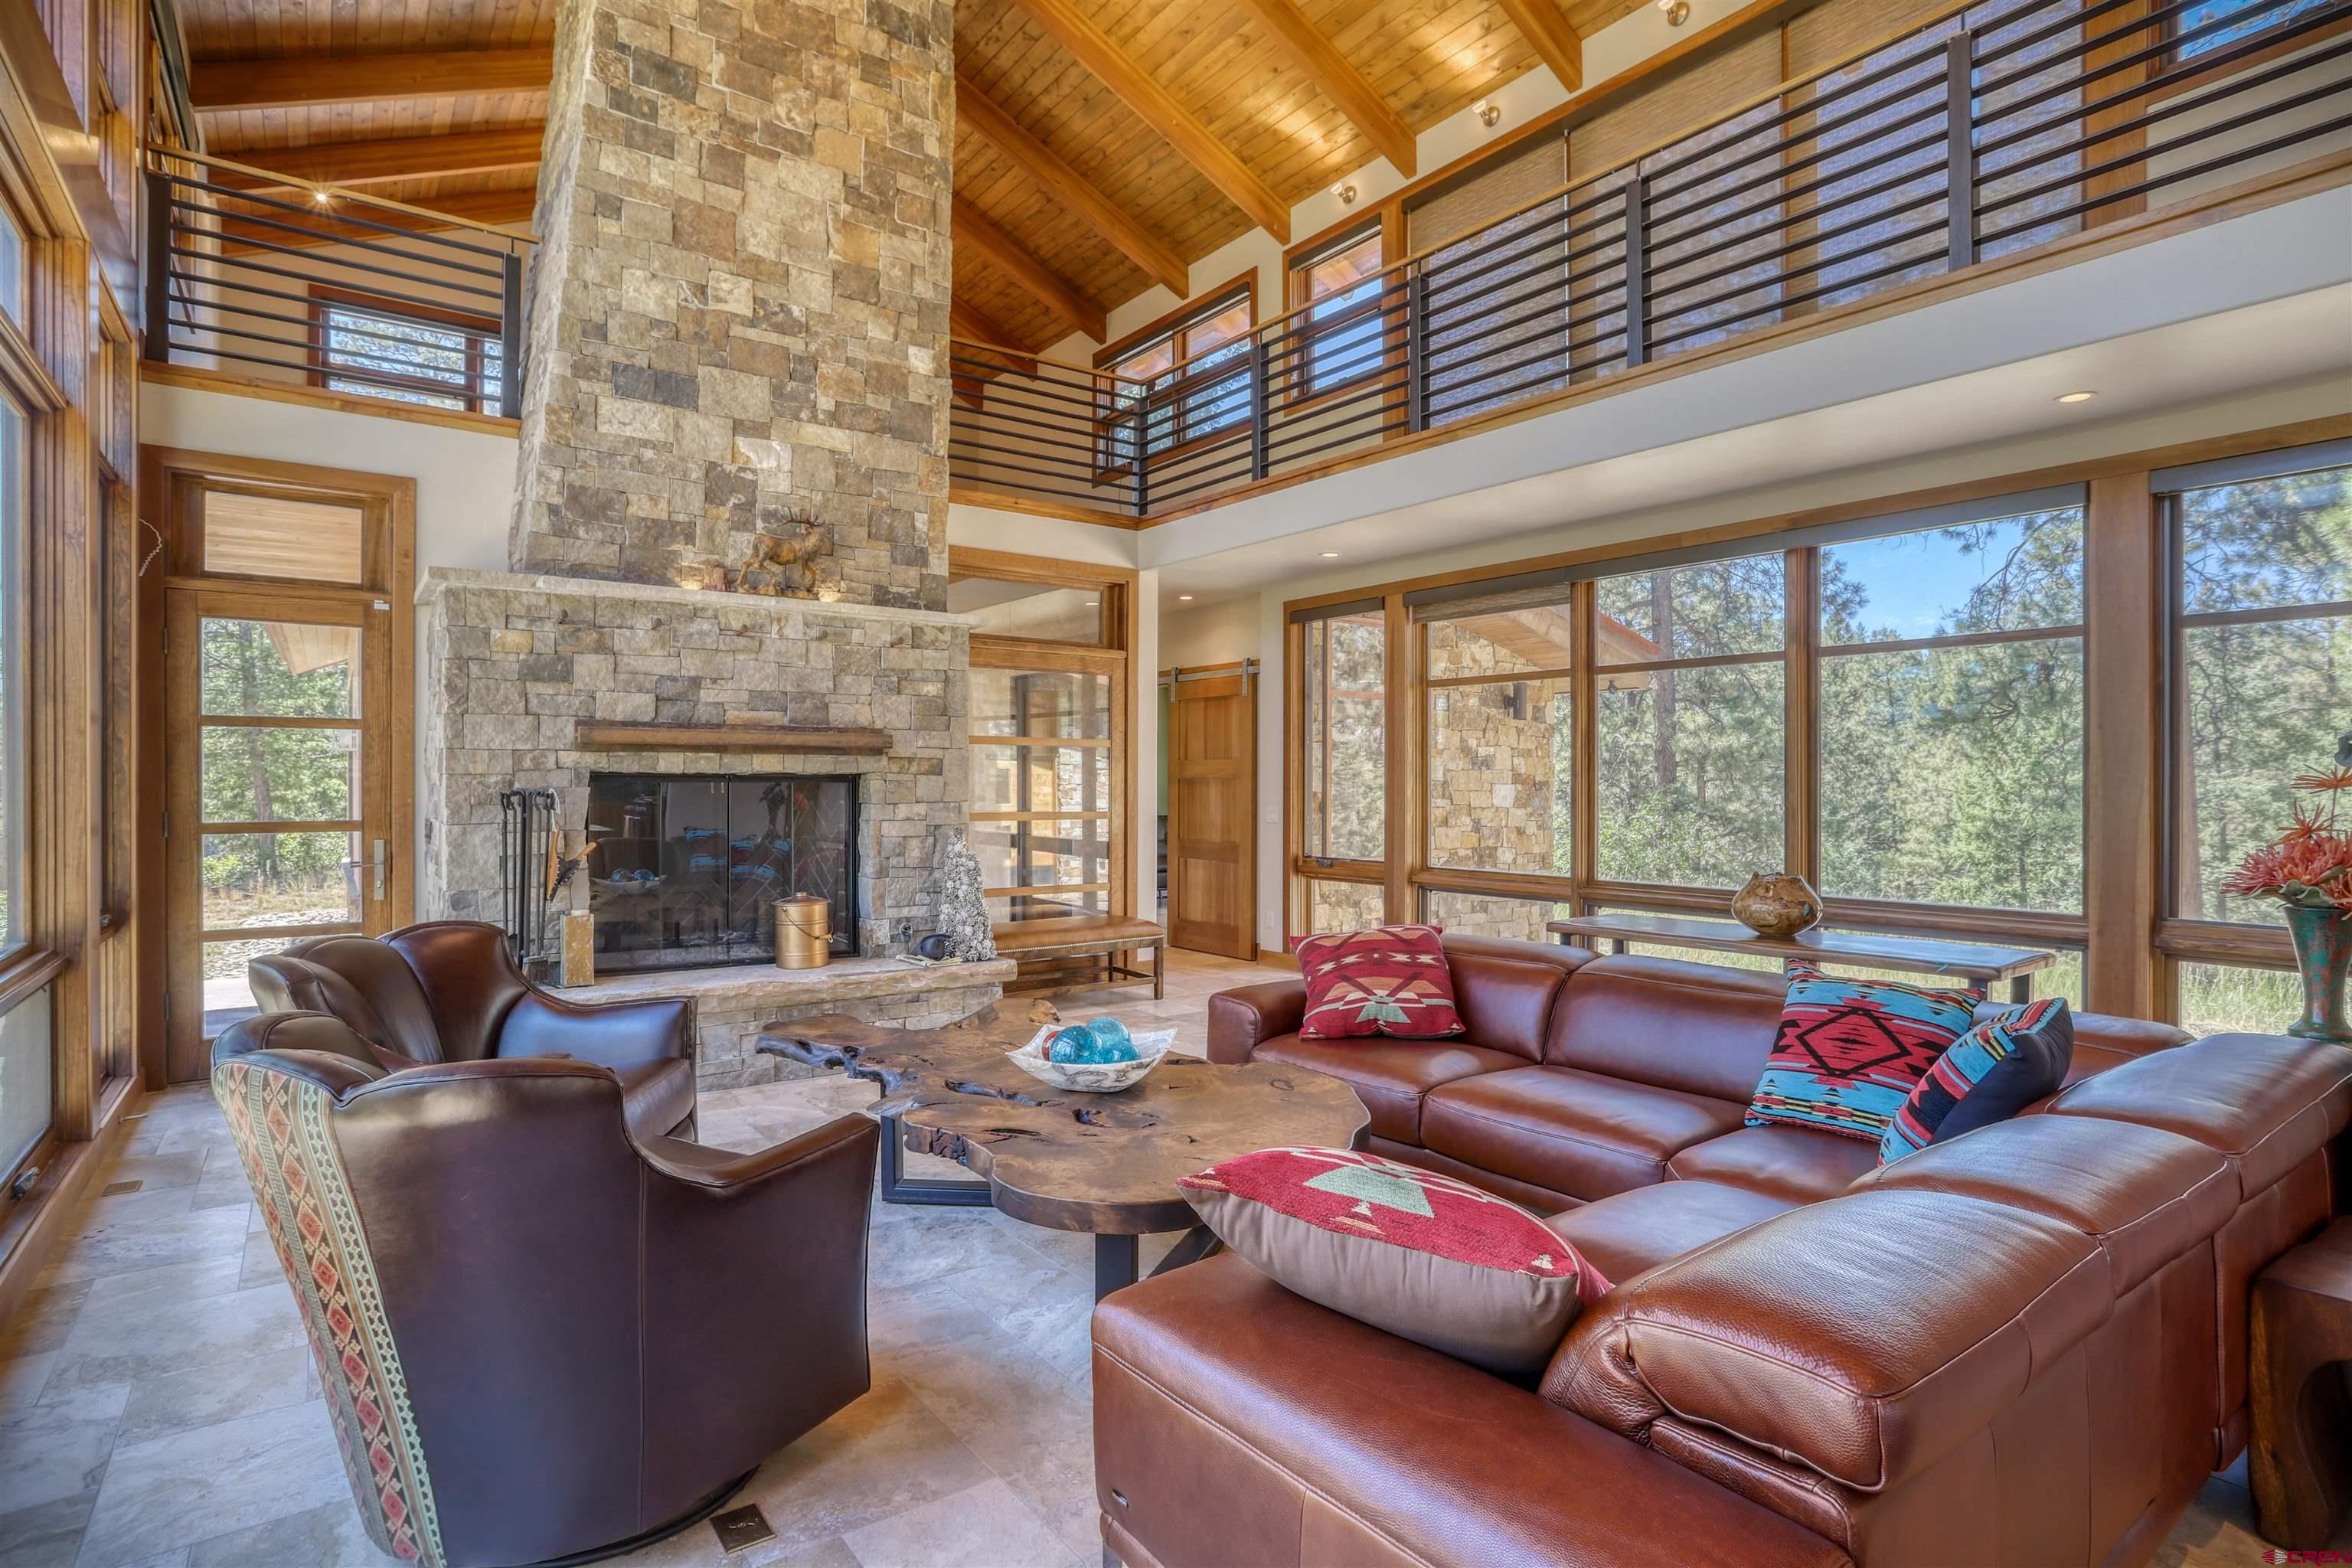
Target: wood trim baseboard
33 1230
1034 506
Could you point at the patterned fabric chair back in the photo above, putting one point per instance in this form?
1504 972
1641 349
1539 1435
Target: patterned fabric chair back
281 1122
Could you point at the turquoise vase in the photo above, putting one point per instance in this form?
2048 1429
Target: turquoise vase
2323 951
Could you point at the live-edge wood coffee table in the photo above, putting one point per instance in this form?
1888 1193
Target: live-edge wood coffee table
1104 1164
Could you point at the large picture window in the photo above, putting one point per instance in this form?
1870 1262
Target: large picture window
1691 702
1951 714
2263 683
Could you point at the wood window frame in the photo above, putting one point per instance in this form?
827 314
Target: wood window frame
172 486
1172 324
2186 939
2128 949
1116 587
61 361
1385 221
477 395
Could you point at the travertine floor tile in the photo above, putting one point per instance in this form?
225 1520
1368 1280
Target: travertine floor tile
985 1527
194 1485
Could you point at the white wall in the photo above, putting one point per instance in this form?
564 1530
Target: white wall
1215 632
465 478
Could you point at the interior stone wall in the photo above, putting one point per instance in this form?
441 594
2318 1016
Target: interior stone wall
514 663
739 314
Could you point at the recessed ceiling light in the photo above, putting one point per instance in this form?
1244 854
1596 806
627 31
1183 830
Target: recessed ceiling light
1092 602
2077 396
1183 598
1331 556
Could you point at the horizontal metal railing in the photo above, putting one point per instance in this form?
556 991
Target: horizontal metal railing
2001 126
276 278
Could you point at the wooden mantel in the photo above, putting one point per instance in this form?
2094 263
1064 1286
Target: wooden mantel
592 735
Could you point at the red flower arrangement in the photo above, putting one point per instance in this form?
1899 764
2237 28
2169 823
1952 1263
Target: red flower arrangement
2309 865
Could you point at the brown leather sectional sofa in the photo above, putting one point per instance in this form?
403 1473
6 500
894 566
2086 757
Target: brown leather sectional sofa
2026 1345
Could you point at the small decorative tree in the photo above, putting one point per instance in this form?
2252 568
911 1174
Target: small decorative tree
963 913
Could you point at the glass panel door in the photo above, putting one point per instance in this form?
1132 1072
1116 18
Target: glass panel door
1045 755
277 827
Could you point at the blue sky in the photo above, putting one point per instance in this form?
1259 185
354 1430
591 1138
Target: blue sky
1911 581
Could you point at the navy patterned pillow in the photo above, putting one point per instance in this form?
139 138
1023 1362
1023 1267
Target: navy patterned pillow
1992 1072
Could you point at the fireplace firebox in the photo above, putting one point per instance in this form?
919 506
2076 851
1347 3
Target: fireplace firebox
684 870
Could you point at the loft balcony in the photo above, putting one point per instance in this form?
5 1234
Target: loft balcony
1941 161
260 278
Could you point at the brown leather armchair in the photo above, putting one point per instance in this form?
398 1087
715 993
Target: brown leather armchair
543 1336
448 991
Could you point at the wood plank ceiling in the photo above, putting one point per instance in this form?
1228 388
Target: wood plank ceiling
1104 145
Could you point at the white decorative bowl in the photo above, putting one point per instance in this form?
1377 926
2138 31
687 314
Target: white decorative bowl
1092 1078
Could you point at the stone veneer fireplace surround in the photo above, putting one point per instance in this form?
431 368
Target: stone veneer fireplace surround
511 663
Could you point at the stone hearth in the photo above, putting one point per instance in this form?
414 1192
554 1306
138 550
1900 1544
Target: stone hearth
732 1006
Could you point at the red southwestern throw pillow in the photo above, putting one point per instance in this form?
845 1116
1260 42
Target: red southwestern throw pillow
1850 1052
1393 981
1423 1255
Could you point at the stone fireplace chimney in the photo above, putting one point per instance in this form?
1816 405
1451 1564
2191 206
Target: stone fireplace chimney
731 507
738 321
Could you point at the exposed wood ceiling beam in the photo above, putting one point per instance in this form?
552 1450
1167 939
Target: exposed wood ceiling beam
1338 81
1547 29
1007 255
397 158
977 111
512 206
366 79
1076 32
973 324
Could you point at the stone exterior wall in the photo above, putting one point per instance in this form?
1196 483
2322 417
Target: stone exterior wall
737 320
512 663
1493 785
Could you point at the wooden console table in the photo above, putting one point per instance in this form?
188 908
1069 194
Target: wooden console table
1911 954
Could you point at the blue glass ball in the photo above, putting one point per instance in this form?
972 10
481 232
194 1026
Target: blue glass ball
1087 1045
1112 1035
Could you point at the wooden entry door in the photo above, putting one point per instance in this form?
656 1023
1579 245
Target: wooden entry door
1213 809
278 786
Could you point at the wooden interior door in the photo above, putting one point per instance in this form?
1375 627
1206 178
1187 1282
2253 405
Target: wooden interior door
1212 810
278 787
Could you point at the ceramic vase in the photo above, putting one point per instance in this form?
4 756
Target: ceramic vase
1780 904
2322 952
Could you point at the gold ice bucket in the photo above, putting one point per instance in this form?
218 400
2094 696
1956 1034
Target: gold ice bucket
803 931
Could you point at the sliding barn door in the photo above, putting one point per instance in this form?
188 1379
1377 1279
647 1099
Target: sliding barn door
1212 810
